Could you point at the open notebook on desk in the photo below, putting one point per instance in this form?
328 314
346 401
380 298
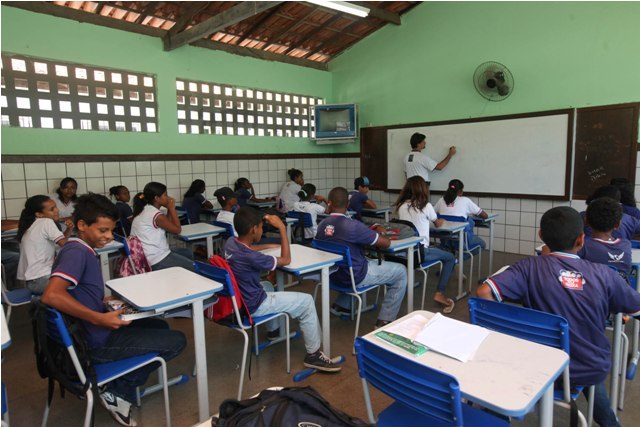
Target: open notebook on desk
444 335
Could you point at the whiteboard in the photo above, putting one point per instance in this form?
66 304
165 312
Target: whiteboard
513 156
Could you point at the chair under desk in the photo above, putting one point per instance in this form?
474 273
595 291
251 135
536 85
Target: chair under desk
487 223
199 231
406 245
157 291
103 252
449 229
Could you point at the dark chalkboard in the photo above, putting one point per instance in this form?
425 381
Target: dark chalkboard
606 146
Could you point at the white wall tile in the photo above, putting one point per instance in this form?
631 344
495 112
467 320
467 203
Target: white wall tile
527 248
143 180
54 171
143 168
14 190
172 167
232 166
173 181
512 232
94 170
111 169
95 185
498 204
513 204
111 181
512 246
498 230
543 205
185 180
197 166
127 168
221 178
76 170
34 170
12 171
221 166
82 185
528 205
512 218
527 234
528 219
157 168
131 183
498 245
13 208
211 180
36 186
53 184
243 165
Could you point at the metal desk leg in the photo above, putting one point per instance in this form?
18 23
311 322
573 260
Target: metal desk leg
104 266
209 246
615 363
201 361
461 291
490 247
546 407
386 216
289 232
326 330
410 279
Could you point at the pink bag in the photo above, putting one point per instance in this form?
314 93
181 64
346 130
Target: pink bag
135 262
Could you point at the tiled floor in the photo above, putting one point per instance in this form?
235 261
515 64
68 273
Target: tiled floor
27 391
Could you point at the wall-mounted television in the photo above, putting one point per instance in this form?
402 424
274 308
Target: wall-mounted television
336 122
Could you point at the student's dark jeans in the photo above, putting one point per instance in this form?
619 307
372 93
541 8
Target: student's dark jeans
602 412
140 337
178 257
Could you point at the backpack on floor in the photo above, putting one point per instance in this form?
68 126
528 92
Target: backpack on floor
291 406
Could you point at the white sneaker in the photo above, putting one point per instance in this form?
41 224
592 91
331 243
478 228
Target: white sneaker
119 409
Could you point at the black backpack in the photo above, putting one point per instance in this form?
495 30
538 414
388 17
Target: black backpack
53 360
289 407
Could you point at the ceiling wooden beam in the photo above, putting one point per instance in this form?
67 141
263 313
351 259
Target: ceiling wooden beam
101 4
259 54
259 23
275 38
379 13
330 40
311 34
185 18
149 9
218 22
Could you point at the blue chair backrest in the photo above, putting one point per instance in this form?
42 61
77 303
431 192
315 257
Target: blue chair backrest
413 384
304 218
120 227
123 240
218 274
532 325
635 244
228 227
334 248
57 329
470 222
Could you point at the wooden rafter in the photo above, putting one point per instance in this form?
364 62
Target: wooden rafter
101 4
382 14
273 39
311 34
259 23
185 18
147 10
330 40
218 22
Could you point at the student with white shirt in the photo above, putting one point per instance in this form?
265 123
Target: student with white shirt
413 205
228 200
65 197
39 235
453 203
416 163
308 193
150 225
289 192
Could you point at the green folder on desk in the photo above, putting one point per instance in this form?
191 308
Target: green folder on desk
406 344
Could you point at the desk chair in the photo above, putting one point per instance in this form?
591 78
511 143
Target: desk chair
120 227
532 325
183 215
229 232
352 290
304 220
15 297
468 250
238 322
57 332
423 396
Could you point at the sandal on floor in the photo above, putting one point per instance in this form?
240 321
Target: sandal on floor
449 308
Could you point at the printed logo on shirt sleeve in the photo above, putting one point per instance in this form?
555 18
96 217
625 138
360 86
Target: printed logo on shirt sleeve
329 230
571 280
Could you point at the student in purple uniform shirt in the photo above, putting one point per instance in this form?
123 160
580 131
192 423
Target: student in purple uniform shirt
247 264
582 292
358 198
125 214
77 289
245 192
629 226
194 200
341 229
627 197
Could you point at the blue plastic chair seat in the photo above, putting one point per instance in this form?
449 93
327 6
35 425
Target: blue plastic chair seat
105 372
346 289
558 394
19 296
399 415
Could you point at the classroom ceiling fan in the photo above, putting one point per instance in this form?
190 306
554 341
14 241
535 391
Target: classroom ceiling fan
493 81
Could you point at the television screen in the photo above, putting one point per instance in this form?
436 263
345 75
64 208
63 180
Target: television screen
335 121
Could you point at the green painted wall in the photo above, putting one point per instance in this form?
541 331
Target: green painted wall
49 37
561 55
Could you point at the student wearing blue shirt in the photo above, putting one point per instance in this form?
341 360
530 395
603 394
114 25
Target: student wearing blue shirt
125 214
582 292
341 229
245 192
77 289
627 197
247 263
358 198
629 226
194 200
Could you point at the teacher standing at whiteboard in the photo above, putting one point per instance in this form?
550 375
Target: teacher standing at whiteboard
416 163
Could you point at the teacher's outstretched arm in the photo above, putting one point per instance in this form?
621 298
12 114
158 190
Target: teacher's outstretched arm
445 161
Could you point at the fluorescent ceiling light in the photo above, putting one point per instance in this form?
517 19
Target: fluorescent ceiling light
343 6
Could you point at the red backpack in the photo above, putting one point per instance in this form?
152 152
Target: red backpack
222 311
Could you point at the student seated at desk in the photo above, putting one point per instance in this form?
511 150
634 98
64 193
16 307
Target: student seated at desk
10 254
358 198
125 214
629 226
289 192
245 192
627 197
194 201
39 235
76 288
229 202
339 228
582 292
247 264
150 226
413 205
65 197
453 203
308 193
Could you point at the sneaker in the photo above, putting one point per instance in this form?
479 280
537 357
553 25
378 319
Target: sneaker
273 335
119 409
338 310
319 361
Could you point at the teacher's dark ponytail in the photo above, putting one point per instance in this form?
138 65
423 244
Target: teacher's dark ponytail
455 185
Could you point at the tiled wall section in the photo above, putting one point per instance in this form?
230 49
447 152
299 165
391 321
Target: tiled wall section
516 229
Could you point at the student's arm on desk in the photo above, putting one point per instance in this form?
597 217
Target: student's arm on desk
622 297
483 214
438 222
285 250
56 296
370 204
382 242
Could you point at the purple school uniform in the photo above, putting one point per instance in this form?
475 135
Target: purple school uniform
356 202
78 264
582 292
339 228
243 196
246 265
615 253
193 206
632 211
629 227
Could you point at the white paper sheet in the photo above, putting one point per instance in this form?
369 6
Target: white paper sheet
410 327
451 337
